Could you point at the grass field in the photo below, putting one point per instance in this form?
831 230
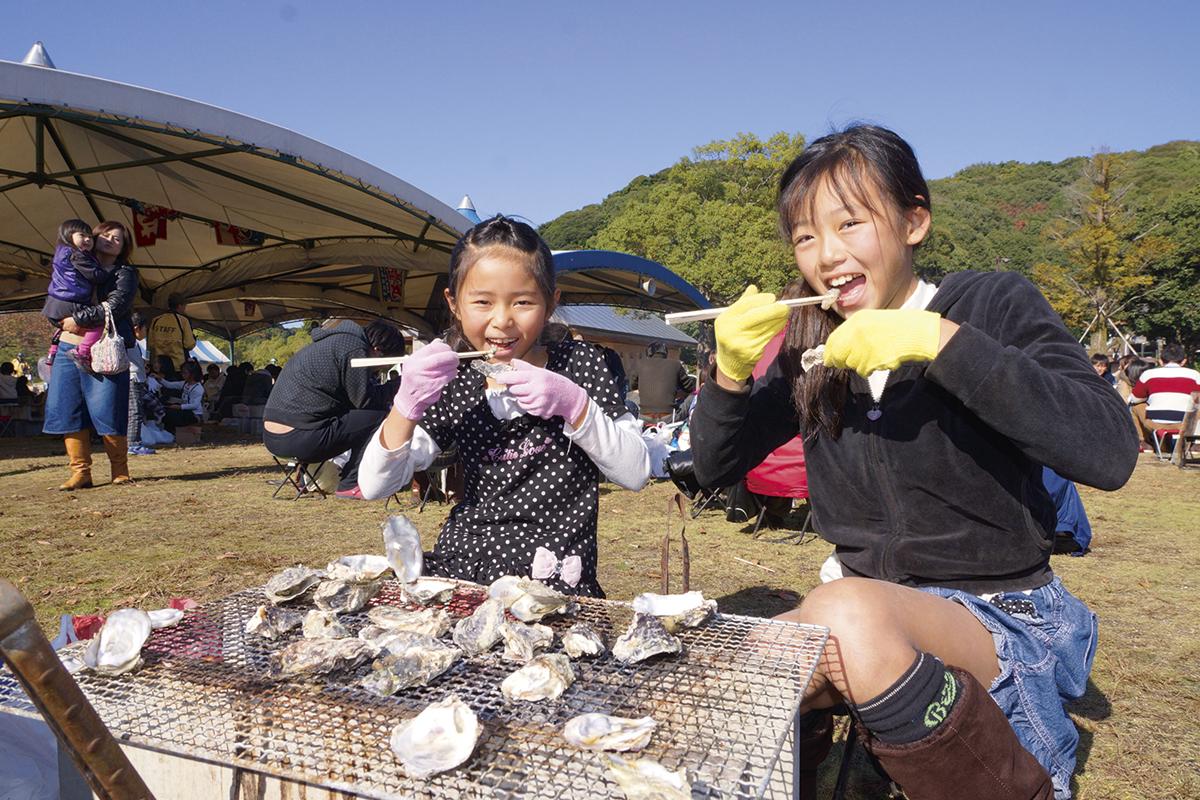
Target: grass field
199 522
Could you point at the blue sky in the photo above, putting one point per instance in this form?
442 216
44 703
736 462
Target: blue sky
540 108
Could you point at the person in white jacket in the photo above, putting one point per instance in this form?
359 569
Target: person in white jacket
190 409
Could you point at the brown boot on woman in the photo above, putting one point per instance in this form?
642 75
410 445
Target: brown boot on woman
79 454
972 753
118 458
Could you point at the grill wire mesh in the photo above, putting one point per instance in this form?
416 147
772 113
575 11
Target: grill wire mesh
724 707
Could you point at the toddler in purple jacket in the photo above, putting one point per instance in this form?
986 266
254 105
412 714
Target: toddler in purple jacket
73 276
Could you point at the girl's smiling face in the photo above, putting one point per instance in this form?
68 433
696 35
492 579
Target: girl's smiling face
500 305
865 254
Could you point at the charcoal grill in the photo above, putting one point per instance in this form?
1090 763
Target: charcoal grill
724 708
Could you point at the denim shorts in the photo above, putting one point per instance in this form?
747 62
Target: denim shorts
77 400
1045 643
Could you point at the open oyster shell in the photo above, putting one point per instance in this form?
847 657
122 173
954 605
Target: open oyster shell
646 637
506 589
538 600
676 611
602 732
438 739
402 544
293 583
581 639
644 779
522 642
165 617
117 648
546 677
428 591
429 621
357 569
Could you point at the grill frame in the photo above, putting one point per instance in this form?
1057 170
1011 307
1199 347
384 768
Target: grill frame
724 706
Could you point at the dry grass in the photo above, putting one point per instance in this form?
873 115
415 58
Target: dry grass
199 522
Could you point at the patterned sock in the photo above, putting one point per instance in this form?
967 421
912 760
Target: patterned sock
914 705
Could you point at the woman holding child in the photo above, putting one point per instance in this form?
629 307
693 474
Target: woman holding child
79 399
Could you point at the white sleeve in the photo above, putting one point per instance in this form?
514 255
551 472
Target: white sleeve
383 472
615 445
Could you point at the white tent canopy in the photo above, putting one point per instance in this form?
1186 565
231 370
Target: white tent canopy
253 223
208 353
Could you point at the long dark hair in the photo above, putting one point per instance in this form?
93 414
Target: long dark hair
499 231
852 162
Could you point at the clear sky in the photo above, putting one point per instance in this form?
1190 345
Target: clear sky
540 108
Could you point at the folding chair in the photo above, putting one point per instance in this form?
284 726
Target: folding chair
301 476
1161 451
782 474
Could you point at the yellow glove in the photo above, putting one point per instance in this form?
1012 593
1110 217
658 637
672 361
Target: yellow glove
744 329
871 340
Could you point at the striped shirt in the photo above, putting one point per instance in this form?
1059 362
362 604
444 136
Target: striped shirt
1166 391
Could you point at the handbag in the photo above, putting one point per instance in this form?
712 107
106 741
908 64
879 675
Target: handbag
109 356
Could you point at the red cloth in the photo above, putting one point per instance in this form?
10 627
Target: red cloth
87 625
182 603
782 473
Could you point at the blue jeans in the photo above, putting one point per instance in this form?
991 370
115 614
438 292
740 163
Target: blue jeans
77 400
1045 647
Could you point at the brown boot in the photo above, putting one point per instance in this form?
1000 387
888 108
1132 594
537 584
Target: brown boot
814 738
79 453
974 753
118 458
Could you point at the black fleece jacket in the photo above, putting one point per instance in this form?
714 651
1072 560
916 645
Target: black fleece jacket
318 383
945 487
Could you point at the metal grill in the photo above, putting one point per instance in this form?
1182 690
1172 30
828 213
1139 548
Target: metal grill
724 707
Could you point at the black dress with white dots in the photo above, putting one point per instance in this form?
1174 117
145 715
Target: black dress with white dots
525 484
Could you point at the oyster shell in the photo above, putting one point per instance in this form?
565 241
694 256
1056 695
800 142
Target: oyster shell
270 622
429 621
294 583
546 677
117 648
402 544
646 637
320 624
319 656
343 597
165 617
357 569
413 663
479 632
644 779
602 732
429 591
676 611
581 639
438 739
506 589
538 600
521 641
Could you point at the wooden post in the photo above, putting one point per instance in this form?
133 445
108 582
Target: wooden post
1186 428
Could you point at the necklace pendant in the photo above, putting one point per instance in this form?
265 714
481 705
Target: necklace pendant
875 413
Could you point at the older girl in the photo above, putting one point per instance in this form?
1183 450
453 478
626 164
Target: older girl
534 441
925 434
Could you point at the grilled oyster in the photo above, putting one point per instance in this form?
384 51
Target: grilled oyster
477 633
581 639
357 569
320 624
438 739
602 732
343 597
646 637
506 589
271 622
429 621
676 611
294 583
428 591
538 600
546 677
319 656
165 617
117 648
648 780
521 641
413 663
402 543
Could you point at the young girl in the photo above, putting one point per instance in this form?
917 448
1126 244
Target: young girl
191 401
534 441
925 434
73 275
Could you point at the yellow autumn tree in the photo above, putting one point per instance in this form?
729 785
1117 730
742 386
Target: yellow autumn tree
1106 256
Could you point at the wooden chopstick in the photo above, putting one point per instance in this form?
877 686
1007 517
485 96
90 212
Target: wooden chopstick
712 313
396 360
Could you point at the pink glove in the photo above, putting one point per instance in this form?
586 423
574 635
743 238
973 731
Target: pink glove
422 378
544 393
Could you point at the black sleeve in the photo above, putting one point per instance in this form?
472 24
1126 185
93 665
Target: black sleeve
733 432
85 264
1015 365
119 299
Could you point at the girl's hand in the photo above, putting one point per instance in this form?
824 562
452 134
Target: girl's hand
875 339
544 393
69 325
424 375
744 329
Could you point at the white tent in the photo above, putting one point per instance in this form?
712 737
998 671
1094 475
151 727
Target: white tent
208 353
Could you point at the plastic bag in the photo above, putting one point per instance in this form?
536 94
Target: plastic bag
152 434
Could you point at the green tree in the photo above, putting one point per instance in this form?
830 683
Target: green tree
1171 306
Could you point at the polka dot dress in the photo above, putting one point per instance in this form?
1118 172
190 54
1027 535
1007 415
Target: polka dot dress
526 485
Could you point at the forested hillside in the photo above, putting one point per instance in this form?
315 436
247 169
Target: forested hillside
1114 232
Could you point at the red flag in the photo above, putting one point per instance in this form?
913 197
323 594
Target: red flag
236 237
150 224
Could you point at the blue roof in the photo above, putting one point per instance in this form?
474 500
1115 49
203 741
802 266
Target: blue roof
641 326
